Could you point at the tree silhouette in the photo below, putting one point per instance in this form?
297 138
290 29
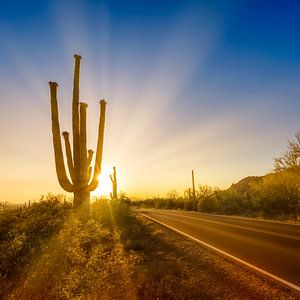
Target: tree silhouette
291 157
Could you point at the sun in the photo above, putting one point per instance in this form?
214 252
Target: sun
105 187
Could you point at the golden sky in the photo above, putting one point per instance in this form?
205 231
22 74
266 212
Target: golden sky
184 91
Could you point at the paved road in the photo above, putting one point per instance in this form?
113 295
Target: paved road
271 246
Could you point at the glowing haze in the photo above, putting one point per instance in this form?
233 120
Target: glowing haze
189 84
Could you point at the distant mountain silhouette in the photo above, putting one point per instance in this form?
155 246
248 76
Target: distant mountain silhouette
244 184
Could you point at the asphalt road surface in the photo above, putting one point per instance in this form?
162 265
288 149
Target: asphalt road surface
271 246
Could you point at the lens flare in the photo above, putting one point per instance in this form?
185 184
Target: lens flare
104 188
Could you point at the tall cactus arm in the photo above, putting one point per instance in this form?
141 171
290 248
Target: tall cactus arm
90 169
111 179
115 174
89 160
97 169
83 148
58 154
90 157
69 154
75 117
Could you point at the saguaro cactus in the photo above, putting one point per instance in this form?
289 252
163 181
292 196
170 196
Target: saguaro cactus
113 178
81 181
194 191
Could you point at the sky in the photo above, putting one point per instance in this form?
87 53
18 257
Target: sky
212 86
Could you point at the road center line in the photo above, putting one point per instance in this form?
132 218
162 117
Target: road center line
274 277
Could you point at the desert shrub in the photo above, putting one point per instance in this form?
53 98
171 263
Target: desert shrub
188 204
206 199
230 202
24 232
278 194
180 203
102 212
121 211
51 252
111 213
208 204
79 260
7 223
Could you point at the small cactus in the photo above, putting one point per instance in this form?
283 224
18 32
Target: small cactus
113 178
82 180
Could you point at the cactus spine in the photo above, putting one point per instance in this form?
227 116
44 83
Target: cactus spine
113 178
82 180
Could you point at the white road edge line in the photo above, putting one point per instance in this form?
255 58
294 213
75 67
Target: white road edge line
281 280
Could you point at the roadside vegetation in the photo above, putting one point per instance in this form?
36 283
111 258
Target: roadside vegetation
275 195
45 249
46 252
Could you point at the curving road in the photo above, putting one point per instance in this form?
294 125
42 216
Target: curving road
271 246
